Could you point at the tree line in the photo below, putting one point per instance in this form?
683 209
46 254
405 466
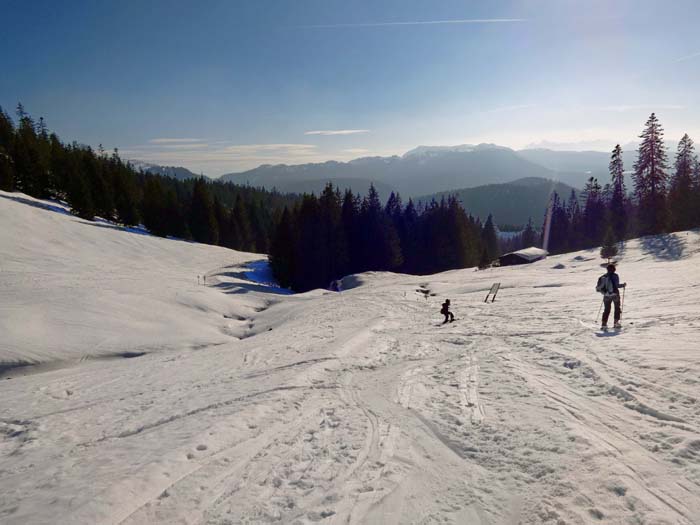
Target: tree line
664 198
324 238
312 240
94 183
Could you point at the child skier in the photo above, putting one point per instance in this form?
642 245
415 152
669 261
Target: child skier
446 311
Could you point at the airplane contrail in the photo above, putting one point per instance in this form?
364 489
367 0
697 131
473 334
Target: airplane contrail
422 22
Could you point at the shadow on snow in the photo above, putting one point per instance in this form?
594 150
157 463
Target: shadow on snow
665 247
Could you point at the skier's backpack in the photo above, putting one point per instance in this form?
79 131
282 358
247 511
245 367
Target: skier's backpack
444 310
603 284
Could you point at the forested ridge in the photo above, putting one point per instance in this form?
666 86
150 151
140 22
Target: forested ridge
94 183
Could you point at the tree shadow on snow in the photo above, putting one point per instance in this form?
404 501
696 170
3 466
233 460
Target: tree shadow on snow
109 226
666 247
248 286
101 223
37 204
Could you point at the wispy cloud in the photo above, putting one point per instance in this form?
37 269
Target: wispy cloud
330 132
421 23
189 146
505 109
173 141
223 152
688 57
622 108
298 149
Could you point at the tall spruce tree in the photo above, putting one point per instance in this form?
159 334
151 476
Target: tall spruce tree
463 251
203 225
489 240
79 192
577 229
335 264
350 217
124 190
101 188
558 241
25 155
242 227
529 236
7 138
282 251
154 207
380 247
309 254
617 206
681 199
650 178
593 212
408 237
221 215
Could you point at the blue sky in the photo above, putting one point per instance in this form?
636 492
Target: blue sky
220 86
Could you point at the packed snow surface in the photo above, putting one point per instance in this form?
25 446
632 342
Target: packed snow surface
158 400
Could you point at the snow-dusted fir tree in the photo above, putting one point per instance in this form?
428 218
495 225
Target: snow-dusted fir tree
618 213
650 177
681 203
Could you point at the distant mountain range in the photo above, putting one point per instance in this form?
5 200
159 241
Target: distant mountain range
176 172
427 170
512 203
421 171
511 184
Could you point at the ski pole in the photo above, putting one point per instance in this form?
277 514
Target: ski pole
622 303
599 309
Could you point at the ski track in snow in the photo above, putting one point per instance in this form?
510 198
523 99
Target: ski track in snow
240 404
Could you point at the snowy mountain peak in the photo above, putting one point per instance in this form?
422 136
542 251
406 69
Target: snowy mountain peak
176 172
432 151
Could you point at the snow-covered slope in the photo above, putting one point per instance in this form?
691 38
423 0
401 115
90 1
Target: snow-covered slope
356 407
73 289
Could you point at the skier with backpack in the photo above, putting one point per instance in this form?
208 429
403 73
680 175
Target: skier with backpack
449 316
609 285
